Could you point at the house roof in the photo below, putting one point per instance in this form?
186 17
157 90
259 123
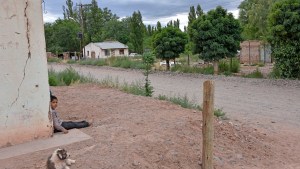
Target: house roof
111 45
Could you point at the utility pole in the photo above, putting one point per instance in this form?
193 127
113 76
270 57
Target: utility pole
82 45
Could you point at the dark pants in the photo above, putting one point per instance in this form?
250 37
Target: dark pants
71 125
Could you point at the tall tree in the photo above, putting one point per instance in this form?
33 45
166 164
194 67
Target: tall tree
199 11
158 26
95 22
192 15
169 43
61 36
216 35
137 32
284 21
68 11
253 18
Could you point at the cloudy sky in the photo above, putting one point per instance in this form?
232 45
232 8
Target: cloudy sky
151 10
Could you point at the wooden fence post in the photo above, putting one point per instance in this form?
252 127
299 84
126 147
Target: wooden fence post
207 128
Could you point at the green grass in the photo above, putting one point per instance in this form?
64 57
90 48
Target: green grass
224 66
189 69
66 77
54 59
255 74
182 101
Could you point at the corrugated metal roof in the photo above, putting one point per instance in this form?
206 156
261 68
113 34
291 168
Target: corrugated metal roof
111 45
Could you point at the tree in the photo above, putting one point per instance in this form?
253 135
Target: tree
169 43
284 21
137 30
216 35
94 22
61 36
68 12
158 26
253 18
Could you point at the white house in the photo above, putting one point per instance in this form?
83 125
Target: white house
105 49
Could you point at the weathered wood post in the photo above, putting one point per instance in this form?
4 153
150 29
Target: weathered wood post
207 129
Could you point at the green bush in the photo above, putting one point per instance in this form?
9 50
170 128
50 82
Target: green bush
224 65
189 69
219 113
54 59
71 61
66 77
255 74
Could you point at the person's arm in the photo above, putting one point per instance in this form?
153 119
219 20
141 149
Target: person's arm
57 123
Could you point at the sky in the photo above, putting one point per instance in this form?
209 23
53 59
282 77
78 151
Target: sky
152 10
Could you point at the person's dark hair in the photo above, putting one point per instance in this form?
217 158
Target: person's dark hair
53 98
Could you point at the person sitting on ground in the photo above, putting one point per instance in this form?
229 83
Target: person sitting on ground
64 126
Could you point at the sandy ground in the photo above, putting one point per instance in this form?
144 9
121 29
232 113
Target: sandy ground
138 132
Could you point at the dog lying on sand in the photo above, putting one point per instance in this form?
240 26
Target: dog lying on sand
59 160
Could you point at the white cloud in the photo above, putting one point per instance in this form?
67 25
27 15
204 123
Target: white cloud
183 19
235 13
49 17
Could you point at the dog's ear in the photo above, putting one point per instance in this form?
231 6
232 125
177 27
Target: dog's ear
60 154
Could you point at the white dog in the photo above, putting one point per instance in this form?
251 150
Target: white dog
59 160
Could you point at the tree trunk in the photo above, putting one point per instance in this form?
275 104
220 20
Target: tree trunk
168 64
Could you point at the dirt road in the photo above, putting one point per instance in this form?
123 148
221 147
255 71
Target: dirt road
264 102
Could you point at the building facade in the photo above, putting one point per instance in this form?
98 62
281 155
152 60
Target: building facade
105 50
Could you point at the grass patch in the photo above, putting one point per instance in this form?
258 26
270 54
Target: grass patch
182 101
228 66
189 69
219 113
54 59
255 74
66 77
71 61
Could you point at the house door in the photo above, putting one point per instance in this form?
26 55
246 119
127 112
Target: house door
93 54
112 52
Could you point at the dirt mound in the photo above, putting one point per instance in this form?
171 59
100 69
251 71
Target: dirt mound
139 132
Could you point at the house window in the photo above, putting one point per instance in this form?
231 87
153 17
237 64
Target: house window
88 53
107 52
121 51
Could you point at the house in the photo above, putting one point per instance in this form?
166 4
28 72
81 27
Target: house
105 49
254 51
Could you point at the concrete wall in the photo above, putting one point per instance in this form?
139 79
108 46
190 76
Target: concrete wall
24 89
258 52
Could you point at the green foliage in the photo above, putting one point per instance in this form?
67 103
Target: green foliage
219 113
188 69
66 77
61 36
253 18
229 66
54 59
137 29
255 74
71 61
148 60
169 43
134 88
216 35
284 21
182 101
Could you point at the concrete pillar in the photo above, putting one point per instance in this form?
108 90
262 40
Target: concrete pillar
24 88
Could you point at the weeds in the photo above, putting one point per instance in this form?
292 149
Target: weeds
255 74
54 59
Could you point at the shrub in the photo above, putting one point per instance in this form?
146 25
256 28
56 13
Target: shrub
255 74
53 59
